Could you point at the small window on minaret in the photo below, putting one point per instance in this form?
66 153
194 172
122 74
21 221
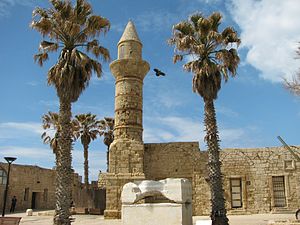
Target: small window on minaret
121 53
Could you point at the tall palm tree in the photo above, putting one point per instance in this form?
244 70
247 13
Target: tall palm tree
87 129
213 57
71 30
106 130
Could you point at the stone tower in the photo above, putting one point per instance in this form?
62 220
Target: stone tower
126 158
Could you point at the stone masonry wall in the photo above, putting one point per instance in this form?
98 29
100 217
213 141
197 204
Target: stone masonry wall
177 160
36 180
255 168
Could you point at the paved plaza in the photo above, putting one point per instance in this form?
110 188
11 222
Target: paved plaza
255 219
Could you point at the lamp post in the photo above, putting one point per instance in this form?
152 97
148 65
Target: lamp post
9 161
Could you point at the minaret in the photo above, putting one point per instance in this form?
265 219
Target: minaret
129 71
126 153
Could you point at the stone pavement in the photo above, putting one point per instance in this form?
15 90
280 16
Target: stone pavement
255 219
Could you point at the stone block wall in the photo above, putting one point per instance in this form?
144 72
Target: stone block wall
254 167
179 160
29 182
26 180
126 156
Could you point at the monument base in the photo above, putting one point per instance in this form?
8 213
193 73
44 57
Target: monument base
157 214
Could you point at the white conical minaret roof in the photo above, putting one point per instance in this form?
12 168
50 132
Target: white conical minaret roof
130 33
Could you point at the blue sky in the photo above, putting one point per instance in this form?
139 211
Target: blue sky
252 109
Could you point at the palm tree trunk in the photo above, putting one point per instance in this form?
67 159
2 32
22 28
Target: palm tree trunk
63 166
86 165
107 159
218 213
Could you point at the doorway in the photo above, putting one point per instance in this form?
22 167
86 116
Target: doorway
35 200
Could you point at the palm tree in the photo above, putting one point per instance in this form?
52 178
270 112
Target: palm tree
71 30
51 127
213 57
87 129
107 128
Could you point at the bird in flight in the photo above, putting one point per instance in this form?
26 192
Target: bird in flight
159 73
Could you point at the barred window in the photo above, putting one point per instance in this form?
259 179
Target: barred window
45 196
236 192
279 191
3 176
26 194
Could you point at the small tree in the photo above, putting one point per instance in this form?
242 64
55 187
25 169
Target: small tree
106 130
294 85
87 129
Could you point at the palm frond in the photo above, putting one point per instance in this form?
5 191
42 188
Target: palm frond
212 58
68 28
41 58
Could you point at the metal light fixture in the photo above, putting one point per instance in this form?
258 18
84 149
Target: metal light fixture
9 161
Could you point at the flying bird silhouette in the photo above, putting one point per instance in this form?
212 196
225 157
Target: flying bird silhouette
159 73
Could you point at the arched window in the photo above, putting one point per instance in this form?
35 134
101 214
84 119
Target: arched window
3 176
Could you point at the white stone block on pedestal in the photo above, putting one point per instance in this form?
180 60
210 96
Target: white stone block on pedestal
157 214
178 190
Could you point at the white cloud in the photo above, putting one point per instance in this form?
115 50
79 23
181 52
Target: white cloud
169 101
209 1
166 129
177 129
5 5
16 129
155 20
43 157
270 30
106 77
27 152
150 21
226 111
118 27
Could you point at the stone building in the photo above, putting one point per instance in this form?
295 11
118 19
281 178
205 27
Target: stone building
255 180
34 187
258 180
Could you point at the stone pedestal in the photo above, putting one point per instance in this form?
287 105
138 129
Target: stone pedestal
177 190
157 214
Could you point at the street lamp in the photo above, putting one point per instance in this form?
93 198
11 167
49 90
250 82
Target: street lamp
9 161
